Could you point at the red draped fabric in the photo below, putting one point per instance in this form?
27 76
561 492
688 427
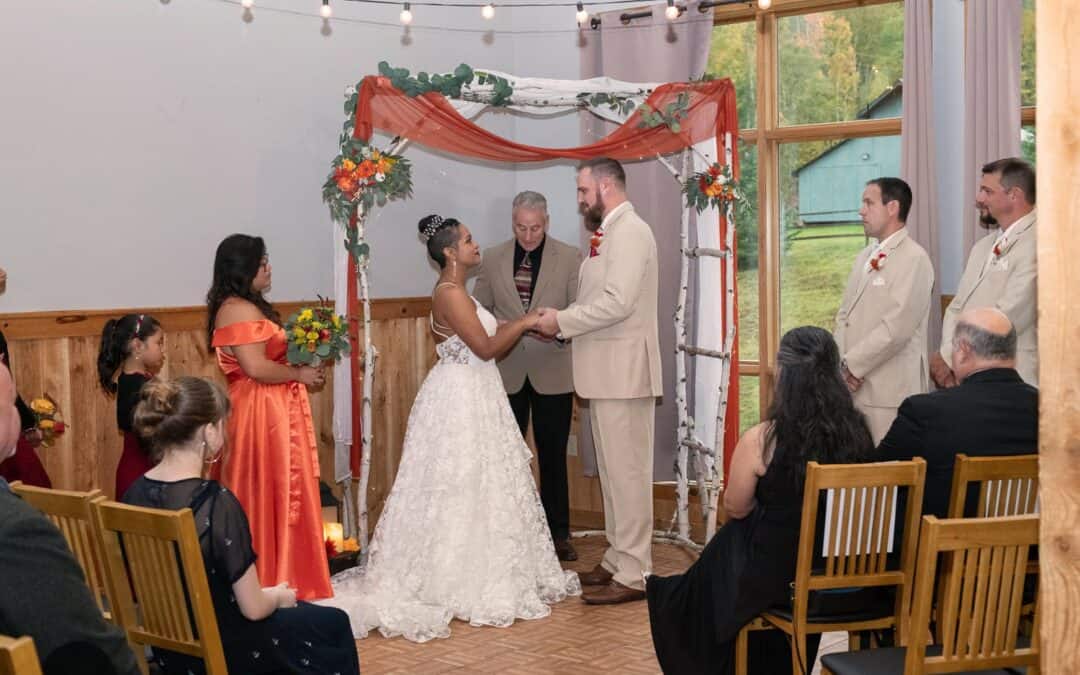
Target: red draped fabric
432 121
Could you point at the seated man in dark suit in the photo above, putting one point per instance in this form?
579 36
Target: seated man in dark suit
992 411
43 593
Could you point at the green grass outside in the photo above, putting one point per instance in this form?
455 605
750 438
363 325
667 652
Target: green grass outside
813 273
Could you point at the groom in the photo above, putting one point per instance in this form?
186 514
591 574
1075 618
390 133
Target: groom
616 361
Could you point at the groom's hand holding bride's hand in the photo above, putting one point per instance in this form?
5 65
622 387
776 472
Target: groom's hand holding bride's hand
548 325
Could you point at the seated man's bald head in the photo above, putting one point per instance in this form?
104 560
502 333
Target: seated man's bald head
984 338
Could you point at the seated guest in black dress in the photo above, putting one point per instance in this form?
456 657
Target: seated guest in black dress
43 593
992 412
263 630
748 565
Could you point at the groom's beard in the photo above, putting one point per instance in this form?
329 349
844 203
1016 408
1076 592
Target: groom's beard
986 220
593 215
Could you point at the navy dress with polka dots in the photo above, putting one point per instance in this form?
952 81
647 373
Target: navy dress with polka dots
302 639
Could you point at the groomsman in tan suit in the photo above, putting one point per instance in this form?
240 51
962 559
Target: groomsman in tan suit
881 324
617 367
535 270
1001 270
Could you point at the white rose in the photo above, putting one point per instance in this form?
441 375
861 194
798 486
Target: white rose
380 177
350 90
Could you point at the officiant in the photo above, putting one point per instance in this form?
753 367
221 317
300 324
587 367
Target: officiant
535 270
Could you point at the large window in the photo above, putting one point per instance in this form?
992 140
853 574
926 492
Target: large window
819 97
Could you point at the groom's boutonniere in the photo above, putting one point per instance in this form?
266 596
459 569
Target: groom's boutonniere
594 243
999 247
877 261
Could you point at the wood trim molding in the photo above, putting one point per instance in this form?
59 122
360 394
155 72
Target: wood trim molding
82 323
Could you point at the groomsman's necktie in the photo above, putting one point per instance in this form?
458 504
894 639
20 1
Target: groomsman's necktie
523 281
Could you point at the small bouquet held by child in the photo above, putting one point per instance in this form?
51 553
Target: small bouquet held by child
316 336
50 423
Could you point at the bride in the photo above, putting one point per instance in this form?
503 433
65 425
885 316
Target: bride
463 533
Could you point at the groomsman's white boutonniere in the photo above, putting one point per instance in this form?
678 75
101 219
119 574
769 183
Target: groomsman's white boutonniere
877 262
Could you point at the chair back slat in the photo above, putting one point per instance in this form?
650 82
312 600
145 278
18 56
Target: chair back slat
72 514
18 656
983 597
156 554
1007 486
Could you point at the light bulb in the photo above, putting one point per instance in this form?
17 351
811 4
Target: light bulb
406 15
582 16
672 12
247 4
764 4
325 10
488 11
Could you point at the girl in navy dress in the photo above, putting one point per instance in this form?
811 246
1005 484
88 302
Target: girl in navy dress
263 630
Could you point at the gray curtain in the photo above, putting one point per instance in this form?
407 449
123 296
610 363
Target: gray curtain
917 165
650 49
991 95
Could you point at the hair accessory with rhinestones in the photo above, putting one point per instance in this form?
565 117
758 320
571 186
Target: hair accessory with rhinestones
432 227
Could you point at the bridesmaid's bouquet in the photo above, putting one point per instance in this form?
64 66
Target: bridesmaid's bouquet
50 423
316 335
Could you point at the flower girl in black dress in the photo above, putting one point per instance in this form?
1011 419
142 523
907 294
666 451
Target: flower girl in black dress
263 630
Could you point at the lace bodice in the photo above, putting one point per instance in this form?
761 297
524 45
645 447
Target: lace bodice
454 349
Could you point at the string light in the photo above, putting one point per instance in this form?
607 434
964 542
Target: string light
488 11
764 4
406 15
247 4
325 11
582 16
672 12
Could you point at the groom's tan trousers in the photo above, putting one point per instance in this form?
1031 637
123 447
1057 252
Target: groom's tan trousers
623 435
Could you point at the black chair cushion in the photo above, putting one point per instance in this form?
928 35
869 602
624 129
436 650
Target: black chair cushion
890 661
846 605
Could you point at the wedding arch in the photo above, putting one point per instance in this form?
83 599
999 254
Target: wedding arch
693 120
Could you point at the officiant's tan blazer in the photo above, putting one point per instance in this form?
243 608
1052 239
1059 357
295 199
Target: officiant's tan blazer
546 364
613 323
881 328
1007 283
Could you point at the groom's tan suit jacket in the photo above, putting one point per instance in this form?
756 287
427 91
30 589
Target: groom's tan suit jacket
881 327
1008 282
547 364
613 322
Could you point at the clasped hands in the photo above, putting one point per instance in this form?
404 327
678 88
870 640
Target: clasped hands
543 323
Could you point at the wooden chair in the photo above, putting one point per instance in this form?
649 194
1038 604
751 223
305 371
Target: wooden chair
18 656
72 513
982 606
1008 485
156 555
858 523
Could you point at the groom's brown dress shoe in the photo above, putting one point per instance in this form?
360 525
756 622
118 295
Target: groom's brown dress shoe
598 576
565 550
613 594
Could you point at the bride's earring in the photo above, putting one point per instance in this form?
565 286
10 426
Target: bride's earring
453 266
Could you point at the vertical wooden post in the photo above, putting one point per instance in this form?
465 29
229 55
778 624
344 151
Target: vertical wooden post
768 119
1058 194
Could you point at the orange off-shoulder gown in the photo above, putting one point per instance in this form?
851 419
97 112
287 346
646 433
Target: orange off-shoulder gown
272 465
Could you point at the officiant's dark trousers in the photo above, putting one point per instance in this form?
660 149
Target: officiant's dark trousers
551 428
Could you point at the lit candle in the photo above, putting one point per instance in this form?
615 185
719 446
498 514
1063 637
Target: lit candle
336 534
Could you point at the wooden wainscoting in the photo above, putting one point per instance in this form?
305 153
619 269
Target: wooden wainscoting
56 353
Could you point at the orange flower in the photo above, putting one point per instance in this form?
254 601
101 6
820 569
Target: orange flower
311 346
348 165
366 169
383 165
346 184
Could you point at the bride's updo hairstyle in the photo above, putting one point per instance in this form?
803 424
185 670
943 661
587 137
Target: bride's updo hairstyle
170 412
439 233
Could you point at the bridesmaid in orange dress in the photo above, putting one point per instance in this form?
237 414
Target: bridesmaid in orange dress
272 464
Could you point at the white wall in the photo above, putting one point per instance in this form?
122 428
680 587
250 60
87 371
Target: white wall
136 135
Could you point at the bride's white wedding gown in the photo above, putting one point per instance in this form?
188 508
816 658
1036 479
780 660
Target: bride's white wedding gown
463 533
